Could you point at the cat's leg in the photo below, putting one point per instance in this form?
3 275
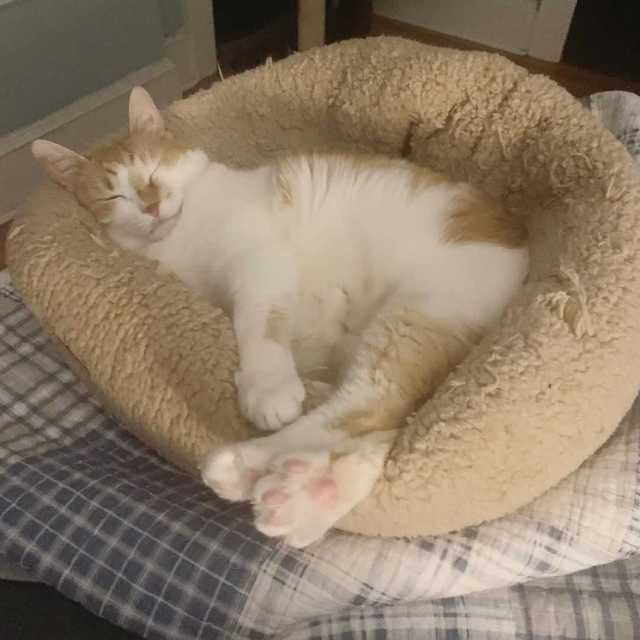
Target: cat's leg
269 388
232 471
403 356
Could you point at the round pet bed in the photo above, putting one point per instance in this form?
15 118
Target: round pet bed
537 397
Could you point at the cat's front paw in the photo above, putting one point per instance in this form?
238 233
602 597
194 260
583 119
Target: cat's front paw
268 400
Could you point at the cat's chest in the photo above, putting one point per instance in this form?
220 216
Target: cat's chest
183 256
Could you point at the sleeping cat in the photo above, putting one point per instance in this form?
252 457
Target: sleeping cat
376 273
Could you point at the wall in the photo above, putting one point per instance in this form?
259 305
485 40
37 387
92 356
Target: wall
53 52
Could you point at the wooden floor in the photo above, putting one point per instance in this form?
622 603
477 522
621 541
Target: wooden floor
579 82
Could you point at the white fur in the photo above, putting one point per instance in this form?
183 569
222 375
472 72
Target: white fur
349 246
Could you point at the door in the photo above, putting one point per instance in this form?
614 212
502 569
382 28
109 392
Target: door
528 27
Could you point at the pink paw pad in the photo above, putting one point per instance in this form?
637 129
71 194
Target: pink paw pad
274 497
295 465
324 490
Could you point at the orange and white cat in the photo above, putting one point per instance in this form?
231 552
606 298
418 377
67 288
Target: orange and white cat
378 273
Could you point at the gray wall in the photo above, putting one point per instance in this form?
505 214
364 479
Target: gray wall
53 52
172 18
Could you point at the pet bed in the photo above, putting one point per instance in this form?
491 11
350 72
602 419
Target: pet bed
537 397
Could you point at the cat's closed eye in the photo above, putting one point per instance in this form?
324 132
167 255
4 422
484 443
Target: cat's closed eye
110 198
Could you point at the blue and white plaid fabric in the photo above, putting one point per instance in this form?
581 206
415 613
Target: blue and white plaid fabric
619 111
602 603
88 509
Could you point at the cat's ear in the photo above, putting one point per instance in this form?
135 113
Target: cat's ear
61 164
143 113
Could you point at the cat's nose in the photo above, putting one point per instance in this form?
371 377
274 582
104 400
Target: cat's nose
153 209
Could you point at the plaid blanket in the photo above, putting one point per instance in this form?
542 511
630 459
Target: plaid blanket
601 603
88 509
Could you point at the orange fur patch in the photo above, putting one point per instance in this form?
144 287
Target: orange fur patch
417 355
148 194
423 178
478 218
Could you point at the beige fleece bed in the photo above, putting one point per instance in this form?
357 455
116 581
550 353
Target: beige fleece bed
537 397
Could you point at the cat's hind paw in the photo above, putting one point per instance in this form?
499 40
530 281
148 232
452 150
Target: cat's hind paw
233 471
308 492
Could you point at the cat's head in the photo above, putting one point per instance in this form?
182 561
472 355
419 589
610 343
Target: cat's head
134 184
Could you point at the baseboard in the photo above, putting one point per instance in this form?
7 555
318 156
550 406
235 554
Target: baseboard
78 125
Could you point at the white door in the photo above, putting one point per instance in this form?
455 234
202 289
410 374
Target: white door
528 27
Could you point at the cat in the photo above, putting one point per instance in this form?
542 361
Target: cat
374 273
